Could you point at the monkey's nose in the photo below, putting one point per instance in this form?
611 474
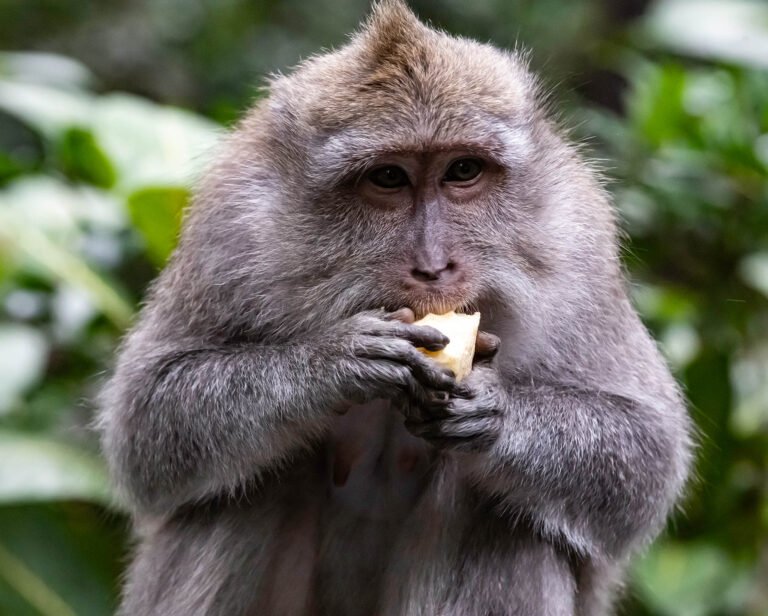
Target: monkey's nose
435 273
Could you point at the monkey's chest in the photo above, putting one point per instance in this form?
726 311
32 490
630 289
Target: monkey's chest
376 472
377 469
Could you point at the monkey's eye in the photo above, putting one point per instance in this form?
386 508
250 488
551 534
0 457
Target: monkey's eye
390 176
463 170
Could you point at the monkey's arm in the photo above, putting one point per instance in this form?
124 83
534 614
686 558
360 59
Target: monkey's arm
596 470
182 422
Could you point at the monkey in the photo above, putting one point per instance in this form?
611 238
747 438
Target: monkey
283 445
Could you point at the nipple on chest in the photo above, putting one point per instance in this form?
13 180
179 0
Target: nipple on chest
371 446
405 457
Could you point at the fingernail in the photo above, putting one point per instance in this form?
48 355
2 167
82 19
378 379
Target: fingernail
462 391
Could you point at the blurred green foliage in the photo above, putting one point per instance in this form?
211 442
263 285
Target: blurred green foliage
671 96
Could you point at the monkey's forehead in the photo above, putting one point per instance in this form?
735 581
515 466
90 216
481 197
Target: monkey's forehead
403 73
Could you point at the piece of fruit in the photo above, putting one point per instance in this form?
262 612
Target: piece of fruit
461 329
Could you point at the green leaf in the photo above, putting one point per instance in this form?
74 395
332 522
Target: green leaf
35 468
10 168
58 559
34 590
62 264
690 580
664 303
156 213
656 104
82 158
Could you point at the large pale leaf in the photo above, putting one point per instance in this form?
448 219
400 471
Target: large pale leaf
44 68
143 143
60 209
730 30
36 468
151 145
754 271
62 265
749 376
22 361
48 109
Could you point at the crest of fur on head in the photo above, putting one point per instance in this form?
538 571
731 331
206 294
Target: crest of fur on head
407 72
401 52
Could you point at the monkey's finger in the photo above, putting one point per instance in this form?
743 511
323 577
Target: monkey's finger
459 435
486 346
429 373
404 315
436 429
420 336
430 397
452 427
425 371
428 404
481 407
462 390
423 403
438 398
376 322
387 378
438 405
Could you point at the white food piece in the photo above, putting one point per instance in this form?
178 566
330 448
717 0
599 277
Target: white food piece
461 329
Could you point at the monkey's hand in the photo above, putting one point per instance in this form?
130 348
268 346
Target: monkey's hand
373 354
469 418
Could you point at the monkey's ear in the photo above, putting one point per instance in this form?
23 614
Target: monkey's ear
390 25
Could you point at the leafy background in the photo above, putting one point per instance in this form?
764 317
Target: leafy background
108 108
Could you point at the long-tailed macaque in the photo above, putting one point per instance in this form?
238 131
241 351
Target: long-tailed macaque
284 446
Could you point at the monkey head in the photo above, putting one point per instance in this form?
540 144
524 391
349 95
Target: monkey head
408 168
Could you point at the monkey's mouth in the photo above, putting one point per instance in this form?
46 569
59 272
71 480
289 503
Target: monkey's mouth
440 301
460 296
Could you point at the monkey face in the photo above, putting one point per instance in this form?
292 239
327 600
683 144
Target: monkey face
423 177
430 191
432 217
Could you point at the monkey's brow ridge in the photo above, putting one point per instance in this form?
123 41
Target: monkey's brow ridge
349 152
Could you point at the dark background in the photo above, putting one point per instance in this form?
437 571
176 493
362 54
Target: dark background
107 108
